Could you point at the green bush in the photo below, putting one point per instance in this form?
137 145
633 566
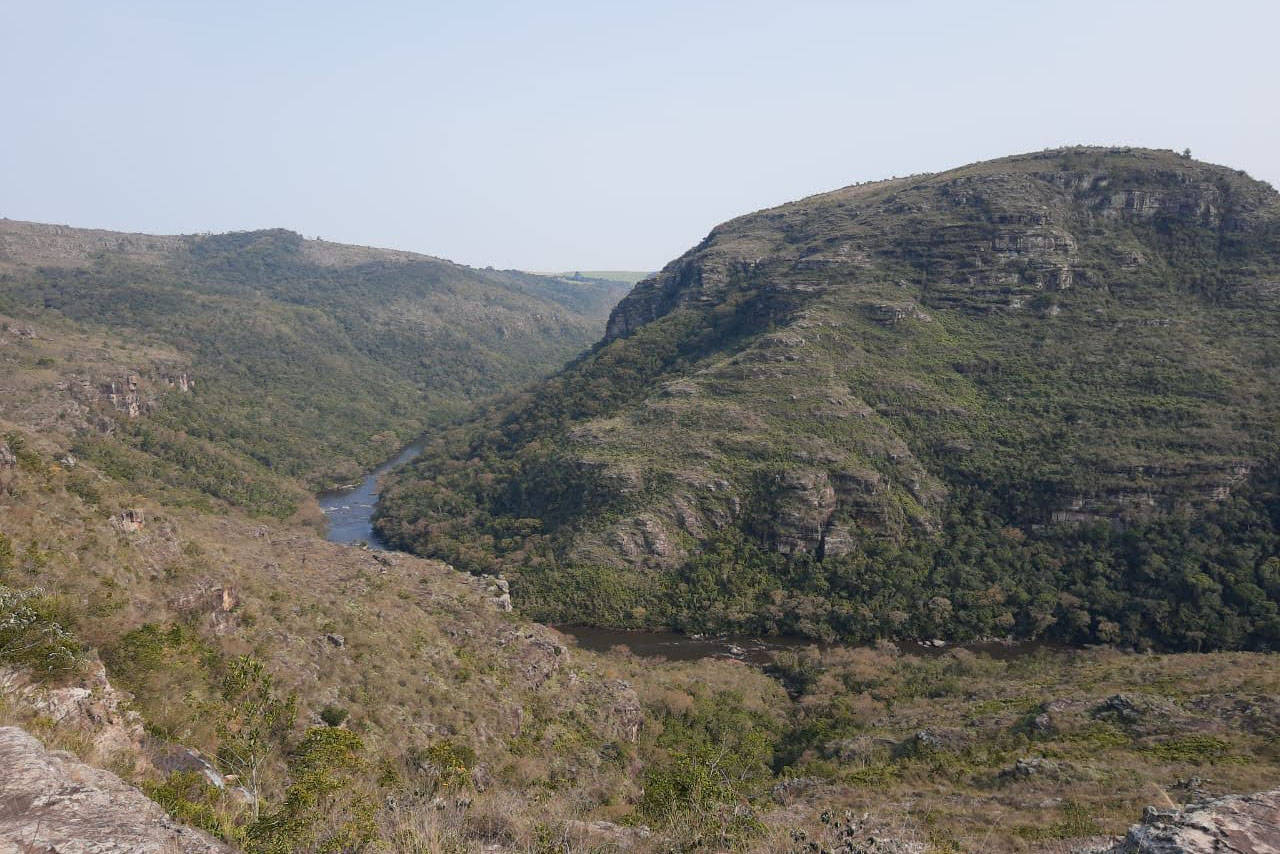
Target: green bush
327 808
34 633
333 715
190 798
1196 748
448 762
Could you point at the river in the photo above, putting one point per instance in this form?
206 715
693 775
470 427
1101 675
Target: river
349 511
350 516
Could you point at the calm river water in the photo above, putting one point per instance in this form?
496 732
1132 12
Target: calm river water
350 511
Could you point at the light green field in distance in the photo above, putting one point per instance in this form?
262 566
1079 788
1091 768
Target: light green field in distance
628 276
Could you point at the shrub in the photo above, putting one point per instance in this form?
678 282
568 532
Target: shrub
448 762
333 715
257 726
326 807
191 799
1195 748
33 634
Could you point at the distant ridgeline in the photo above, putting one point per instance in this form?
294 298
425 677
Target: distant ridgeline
1036 396
289 362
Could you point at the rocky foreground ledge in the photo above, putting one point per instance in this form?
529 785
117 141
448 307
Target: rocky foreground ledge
52 803
1240 824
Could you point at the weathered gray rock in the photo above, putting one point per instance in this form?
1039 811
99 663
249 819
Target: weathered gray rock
128 521
800 506
124 395
90 706
499 592
1247 824
605 835
174 758
51 802
623 710
1039 768
935 740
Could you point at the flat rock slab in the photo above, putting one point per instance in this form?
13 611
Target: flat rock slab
1242 824
52 803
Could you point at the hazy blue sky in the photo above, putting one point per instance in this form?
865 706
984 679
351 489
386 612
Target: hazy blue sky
600 134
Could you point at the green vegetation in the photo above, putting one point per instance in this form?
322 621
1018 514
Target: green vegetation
334 715
834 420
33 633
713 756
1024 398
258 723
324 810
310 361
190 798
448 763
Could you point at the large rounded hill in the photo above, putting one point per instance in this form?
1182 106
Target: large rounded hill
1035 396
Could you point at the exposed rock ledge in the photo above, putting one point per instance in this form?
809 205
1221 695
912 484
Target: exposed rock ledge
1247 824
52 803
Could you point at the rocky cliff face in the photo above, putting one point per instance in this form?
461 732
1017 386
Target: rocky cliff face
90 707
51 802
994 236
33 244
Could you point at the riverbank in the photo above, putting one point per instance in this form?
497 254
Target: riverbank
349 512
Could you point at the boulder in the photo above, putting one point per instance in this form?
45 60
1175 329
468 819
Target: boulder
926 742
623 711
1040 768
607 836
1249 824
52 802
175 758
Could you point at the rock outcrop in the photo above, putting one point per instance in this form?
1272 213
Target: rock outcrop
52 802
91 706
1248 824
129 521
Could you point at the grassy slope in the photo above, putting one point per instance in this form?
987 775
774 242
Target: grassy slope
896 392
315 360
629 277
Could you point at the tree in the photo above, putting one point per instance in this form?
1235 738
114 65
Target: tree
257 726
326 807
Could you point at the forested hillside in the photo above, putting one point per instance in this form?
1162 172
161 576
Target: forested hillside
1034 397
313 360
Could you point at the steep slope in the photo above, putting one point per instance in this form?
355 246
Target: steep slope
313 359
411 681
1032 396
